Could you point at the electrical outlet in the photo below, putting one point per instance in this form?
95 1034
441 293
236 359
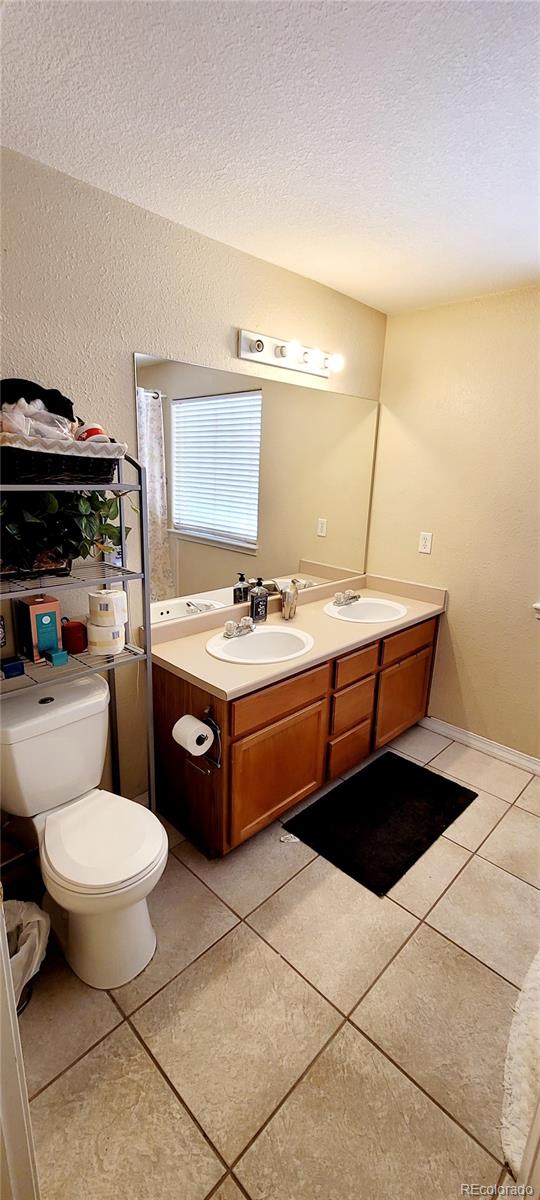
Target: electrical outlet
424 544
321 526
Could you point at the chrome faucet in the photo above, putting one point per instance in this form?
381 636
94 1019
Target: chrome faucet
238 628
341 599
289 597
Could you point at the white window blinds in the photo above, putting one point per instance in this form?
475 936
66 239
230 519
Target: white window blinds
216 442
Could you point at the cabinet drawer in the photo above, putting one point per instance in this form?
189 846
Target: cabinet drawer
258 709
348 749
275 768
356 666
403 693
352 705
402 644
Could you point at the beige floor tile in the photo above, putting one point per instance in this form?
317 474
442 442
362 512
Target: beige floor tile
482 771
187 919
421 744
422 885
477 820
445 1018
246 876
233 1033
111 1129
492 915
63 1019
334 931
356 1128
228 1191
515 845
530 798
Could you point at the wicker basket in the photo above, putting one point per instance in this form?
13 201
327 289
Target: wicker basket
36 466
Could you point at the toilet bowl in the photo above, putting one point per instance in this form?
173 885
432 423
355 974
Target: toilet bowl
100 858
100 854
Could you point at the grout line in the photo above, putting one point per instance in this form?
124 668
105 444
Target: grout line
283 885
388 964
242 917
474 786
240 1186
512 874
76 1060
422 1089
178 1096
464 950
296 970
288 1093
178 973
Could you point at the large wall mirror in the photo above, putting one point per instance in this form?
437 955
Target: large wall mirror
248 474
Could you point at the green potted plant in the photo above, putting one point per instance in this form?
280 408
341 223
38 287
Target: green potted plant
42 532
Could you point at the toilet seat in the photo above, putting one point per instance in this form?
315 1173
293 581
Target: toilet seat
101 843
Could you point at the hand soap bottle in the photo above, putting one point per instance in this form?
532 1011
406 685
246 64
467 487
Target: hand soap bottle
241 589
258 602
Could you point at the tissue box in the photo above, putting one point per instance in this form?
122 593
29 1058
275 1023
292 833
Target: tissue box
38 626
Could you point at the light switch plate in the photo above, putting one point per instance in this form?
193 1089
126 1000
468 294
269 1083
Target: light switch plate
424 544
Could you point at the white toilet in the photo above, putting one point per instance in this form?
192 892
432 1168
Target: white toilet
100 854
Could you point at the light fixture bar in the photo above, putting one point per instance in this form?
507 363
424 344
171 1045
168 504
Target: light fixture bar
283 352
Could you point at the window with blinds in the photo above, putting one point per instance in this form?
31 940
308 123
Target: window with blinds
216 444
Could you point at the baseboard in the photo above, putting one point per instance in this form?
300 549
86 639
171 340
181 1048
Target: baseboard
525 761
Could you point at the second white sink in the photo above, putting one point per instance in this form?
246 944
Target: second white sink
271 644
367 610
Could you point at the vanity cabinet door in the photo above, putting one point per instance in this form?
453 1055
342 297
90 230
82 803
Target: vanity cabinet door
275 768
403 693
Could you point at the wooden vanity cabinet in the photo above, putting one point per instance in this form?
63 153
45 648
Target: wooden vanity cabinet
403 693
275 768
280 743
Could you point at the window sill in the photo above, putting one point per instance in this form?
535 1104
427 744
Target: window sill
215 543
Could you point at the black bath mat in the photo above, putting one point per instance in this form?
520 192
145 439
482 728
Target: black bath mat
376 824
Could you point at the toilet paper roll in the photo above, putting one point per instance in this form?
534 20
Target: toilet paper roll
193 735
105 639
107 608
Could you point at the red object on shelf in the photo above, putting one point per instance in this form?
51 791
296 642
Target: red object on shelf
74 636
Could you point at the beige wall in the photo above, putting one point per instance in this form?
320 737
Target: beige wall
316 460
88 279
458 455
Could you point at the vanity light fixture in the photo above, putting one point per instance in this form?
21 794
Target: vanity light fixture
277 352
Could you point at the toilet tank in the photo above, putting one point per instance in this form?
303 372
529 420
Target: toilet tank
53 744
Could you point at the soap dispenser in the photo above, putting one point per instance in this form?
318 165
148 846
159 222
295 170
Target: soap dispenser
258 601
241 589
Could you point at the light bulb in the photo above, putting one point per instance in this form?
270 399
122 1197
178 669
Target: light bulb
337 362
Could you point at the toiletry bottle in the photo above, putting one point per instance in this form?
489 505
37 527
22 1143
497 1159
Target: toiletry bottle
241 589
258 601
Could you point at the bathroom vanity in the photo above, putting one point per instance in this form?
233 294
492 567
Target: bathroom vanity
287 728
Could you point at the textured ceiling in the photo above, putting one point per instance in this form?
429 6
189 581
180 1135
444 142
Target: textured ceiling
389 150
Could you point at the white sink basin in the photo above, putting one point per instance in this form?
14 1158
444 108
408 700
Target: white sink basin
367 611
264 645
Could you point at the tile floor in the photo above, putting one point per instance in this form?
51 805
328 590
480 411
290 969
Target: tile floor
295 1036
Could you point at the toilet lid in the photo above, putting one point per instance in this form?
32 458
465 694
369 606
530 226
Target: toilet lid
102 840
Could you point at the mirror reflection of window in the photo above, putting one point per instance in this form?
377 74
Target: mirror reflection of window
215 461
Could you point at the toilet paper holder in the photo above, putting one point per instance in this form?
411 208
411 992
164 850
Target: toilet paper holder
210 762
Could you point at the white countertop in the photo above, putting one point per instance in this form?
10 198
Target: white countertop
187 655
